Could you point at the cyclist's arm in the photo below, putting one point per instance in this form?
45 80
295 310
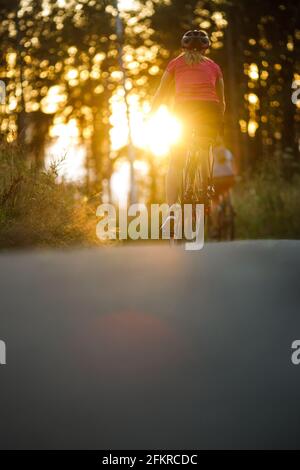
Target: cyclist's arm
162 92
221 93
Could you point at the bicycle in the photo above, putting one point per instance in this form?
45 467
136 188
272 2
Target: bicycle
197 184
222 218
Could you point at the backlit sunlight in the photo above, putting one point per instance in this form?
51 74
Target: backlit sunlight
66 151
156 133
127 5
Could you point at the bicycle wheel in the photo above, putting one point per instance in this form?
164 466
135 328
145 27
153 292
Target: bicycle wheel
226 222
195 185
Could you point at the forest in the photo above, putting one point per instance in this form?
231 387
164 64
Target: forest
78 77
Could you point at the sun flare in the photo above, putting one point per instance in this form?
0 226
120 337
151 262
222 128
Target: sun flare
156 133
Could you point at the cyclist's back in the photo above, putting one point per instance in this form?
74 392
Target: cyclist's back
199 99
195 82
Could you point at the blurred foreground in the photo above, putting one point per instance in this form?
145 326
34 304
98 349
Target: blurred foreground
146 348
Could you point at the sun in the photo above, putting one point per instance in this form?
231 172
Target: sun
161 132
156 134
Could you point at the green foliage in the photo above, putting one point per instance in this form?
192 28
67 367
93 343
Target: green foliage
267 205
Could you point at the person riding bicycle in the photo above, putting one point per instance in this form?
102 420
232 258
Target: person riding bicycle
199 99
224 168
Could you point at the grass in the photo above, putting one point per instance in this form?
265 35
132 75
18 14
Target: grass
267 204
36 210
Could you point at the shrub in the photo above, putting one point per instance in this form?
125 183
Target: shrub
36 210
267 204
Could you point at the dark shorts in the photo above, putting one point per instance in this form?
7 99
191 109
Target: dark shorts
205 116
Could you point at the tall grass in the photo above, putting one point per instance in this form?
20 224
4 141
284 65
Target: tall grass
267 204
36 210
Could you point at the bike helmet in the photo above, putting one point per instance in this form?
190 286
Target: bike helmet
195 40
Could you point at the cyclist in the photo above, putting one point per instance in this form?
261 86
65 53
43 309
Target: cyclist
199 99
222 215
224 168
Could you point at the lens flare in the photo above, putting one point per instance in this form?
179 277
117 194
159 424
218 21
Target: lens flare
155 134
162 131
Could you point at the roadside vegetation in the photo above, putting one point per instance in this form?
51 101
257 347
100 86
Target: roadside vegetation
267 204
38 211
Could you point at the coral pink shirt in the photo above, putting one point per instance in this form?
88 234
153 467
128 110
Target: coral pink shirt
195 82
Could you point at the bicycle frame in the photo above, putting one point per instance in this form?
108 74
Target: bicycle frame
197 179
198 172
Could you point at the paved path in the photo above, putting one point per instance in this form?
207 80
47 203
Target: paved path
148 347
